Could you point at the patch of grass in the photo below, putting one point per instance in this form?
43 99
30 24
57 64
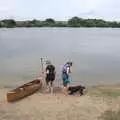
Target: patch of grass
110 115
111 93
104 92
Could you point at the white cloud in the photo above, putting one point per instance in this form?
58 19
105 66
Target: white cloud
7 8
6 4
108 10
60 9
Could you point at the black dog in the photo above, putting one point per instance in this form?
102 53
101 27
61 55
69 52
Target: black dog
74 89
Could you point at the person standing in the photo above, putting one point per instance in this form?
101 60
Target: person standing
50 75
66 76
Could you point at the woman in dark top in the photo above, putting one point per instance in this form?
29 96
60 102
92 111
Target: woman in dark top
50 75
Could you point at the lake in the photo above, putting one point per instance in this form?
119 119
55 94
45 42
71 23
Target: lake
95 53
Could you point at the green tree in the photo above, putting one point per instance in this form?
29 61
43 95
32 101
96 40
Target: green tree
114 24
36 23
61 24
0 24
74 22
8 23
50 21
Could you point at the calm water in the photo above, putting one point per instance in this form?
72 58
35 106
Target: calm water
95 53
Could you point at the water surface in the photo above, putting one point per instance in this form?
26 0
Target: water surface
94 52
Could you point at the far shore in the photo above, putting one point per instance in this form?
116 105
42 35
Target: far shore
50 22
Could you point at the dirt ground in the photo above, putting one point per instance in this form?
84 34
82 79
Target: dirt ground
44 106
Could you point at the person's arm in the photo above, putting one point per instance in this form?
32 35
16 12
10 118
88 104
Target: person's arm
68 70
47 70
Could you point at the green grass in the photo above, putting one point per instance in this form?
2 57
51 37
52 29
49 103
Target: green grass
110 115
111 93
103 92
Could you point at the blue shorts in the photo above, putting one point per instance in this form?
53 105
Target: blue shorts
66 78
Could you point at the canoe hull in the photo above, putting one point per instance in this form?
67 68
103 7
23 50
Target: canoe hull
24 90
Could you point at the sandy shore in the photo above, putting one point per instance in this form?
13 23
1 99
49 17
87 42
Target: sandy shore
41 106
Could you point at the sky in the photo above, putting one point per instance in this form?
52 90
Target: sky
59 9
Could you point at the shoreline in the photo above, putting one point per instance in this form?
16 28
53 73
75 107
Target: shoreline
2 86
41 106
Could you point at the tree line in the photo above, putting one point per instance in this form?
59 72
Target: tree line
49 22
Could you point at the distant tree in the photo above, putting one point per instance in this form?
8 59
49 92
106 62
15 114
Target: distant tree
28 23
37 23
8 23
61 24
50 21
114 24
89 23
0 24
74 22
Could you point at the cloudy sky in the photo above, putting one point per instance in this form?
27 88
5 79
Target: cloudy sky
60 9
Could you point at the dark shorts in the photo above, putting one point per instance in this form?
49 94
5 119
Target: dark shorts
50 78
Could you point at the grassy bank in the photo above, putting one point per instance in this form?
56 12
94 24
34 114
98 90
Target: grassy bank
104 91
99 103
110 115
110 92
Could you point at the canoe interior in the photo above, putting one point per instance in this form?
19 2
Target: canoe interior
24 90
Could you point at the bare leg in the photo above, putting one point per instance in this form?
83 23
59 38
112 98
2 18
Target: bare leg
51 87
68 84
47 86
65 91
